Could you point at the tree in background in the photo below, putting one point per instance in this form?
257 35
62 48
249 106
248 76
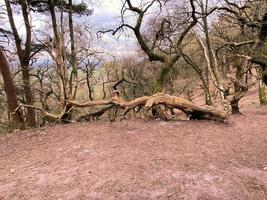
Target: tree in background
163 44
244 45
190 48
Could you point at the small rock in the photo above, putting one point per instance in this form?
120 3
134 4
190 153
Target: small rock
265 168
12 170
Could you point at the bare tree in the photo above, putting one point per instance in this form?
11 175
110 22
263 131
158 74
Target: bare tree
250 18
169 53
25 54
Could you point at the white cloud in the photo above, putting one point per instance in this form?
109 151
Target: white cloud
111 7
106 16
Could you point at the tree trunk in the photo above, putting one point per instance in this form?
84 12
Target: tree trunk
262 88
161 86
24 56
74 73
240 91
206 89
61 68
211 58
206 83
28 95
162 80
10 90
235 107
90 89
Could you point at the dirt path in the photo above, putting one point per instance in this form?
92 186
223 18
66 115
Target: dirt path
138 160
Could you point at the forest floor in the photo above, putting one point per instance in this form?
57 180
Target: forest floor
139 159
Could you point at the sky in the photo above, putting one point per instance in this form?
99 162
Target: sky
106 15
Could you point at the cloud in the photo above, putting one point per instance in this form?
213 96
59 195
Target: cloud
106 16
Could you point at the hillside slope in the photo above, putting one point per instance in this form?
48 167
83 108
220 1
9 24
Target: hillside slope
139 159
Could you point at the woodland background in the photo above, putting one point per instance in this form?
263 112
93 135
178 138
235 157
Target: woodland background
213 50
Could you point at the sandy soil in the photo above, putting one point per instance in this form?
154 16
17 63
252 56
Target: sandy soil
140 159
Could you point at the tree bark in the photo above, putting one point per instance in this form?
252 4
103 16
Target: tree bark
24 56
10 90
210 57
262 88
61 68
193 111
74 73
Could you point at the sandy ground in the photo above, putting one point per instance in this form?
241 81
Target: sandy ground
139 159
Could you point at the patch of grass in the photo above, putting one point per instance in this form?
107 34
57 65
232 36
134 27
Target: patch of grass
6 129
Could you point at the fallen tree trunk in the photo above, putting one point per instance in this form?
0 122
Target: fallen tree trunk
116 100
49 116
94 115
193 111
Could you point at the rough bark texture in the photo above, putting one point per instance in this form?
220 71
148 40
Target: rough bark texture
262 92
210 57
61 68
74 73
259 57
193 111
10 90
24 55
259 53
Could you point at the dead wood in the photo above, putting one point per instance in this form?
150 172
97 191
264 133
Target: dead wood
94 115
49 116
193 111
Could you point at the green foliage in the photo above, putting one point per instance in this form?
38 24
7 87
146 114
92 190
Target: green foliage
262 96
82 9
262 93
42 6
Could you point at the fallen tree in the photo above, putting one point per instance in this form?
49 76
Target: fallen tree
191 110
94 115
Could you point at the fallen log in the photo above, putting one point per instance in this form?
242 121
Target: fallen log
49 116
193 111
94 115
190 109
